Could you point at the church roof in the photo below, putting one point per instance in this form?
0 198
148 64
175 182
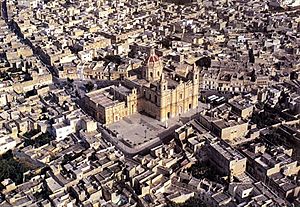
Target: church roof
153 57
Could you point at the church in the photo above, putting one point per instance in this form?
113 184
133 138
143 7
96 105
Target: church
158 93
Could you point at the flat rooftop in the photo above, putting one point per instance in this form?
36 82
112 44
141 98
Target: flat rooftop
103 97
240 104
222 124
123 90
227 151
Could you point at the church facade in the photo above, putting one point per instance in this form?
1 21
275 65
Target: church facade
158 93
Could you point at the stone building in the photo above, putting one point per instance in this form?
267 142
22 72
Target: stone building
111 104
224 122
226 159
161 95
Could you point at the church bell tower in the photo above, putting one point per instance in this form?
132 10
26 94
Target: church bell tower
153 68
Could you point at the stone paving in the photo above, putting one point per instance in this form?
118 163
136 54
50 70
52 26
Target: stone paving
139 129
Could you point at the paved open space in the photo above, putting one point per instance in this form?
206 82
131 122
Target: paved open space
139 129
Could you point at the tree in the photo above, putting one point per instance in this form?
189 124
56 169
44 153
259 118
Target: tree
32 92
114 58
251 56
204 170
4 75
264 119
70 80
253 76
44 109
11 168
51 121
294 75
31 133
204 62
67 158
283 98
44 138
166 42
77 94
89 86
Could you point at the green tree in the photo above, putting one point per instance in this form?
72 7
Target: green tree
204 62
251 56
44 138
70 80
11 168
89 86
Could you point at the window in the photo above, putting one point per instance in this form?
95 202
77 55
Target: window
151 74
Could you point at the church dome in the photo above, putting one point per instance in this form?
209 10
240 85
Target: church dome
153 58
